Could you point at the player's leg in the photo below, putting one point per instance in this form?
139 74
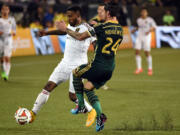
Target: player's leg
58 76
43 96
138 46
73 97
7 58
6 67
93 99
91 112
147 49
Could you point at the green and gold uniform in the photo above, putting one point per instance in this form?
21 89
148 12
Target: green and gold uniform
99 71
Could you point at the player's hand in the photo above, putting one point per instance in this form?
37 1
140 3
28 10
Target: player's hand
93 22
61 25
41 33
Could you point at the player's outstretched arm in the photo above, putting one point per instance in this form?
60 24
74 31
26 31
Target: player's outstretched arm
51 32
79 36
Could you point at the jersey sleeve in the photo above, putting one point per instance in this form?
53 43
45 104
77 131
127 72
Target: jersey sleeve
96 30
153 23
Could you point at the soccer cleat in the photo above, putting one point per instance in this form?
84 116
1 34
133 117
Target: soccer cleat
150 72
4 76
138 71
100 122
33 116
91 118
79 110
105 87
75 110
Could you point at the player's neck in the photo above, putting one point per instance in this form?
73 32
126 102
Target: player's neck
79 21
143 17
5 16
111 19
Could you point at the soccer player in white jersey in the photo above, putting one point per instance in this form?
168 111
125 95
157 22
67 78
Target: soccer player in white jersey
75 54
7 30
145 25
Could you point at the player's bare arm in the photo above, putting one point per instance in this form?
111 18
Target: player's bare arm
52 32
79 36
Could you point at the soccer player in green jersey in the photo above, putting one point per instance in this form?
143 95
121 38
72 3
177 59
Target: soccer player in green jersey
99 71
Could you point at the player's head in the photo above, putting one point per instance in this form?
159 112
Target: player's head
101 12
74 14
5 10
144 13
110 11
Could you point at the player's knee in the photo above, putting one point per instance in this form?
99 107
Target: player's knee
91 96
72 96
7 59
50 86
137 52
89 86
147 53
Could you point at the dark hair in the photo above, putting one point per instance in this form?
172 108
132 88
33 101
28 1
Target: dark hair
112 8
144 8
5 5
102 4
75 8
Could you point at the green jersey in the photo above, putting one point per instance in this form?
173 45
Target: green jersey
109 37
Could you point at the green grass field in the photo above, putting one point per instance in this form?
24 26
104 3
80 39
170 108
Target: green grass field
135 105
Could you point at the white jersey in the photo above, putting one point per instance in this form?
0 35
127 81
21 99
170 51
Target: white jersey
76 51
144 25
7 26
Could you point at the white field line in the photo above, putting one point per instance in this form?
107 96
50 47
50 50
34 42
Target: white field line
112 80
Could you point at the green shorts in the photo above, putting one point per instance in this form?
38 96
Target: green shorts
94 73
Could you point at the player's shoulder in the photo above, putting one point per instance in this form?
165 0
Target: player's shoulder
150 18
85 25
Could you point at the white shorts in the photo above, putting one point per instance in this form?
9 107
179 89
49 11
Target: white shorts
143 42
6 47
62 73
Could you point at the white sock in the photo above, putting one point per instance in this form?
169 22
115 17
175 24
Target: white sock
6 67
138 61
40 101
149 61
87 105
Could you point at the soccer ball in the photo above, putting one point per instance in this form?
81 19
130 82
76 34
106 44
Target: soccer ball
22 116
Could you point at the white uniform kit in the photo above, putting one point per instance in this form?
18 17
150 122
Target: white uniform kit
75 54
143 39
6 26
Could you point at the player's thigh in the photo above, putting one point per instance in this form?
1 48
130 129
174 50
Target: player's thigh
138 43
71 87
1 51
60 74
94 73
147 43
8 47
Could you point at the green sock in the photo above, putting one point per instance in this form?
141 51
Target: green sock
97 107
80 100
78 86
93 99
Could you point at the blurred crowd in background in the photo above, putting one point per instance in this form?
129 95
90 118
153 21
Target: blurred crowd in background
43 13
